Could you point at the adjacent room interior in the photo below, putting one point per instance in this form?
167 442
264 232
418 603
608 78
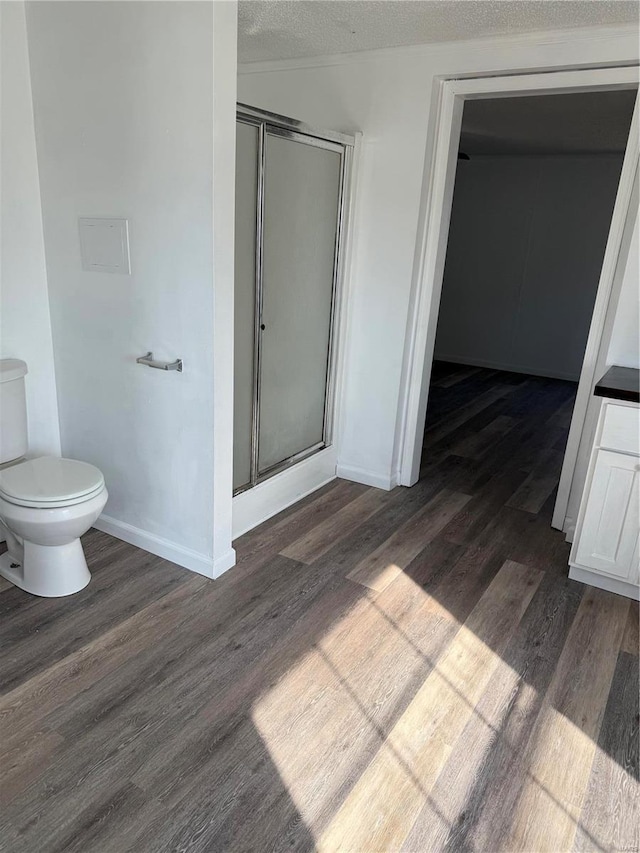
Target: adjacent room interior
535 187
320 418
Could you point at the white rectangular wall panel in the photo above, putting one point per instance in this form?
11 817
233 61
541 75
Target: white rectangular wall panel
104 245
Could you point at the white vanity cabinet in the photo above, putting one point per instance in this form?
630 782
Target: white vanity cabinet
605 548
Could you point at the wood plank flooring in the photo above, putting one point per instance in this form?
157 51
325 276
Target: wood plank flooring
410 670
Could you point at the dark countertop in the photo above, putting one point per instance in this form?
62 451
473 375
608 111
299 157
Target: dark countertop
620 383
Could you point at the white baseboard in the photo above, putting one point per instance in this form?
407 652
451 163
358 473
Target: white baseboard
509 368
630 590
224 563
185 557
256 505
367 478
569 529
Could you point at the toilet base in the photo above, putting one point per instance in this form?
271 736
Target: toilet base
49 571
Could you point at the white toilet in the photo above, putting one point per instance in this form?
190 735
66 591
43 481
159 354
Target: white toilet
46 503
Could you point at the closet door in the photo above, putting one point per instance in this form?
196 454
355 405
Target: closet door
246 223
301 216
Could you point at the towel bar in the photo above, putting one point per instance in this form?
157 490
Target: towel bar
160 365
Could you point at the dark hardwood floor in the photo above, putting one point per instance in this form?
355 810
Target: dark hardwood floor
410 670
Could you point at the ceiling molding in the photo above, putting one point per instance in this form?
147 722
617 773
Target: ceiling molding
540 38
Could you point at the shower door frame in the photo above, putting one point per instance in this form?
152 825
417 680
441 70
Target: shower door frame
342 144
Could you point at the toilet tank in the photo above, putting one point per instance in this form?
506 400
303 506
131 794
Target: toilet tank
13 410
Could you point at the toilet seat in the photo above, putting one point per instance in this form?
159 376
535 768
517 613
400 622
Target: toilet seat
49 482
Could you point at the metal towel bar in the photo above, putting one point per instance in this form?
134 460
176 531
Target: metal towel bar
160 365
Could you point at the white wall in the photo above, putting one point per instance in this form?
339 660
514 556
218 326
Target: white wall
625 339
25 326
525 250
387 95
225 47
123 96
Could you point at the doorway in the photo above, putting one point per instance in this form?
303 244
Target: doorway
430 267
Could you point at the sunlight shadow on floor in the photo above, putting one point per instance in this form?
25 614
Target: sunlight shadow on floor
327 701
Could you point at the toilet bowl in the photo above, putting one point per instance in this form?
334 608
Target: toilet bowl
46 505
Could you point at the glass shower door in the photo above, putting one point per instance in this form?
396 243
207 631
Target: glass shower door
289 196
301 212
246 223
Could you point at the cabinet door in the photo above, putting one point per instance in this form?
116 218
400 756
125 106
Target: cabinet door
608 539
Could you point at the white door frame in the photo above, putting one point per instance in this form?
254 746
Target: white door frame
440 168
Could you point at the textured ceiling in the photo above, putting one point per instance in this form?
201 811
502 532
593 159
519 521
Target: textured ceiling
588 122
287 29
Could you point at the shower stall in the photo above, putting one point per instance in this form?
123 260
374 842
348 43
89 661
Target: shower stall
291 188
